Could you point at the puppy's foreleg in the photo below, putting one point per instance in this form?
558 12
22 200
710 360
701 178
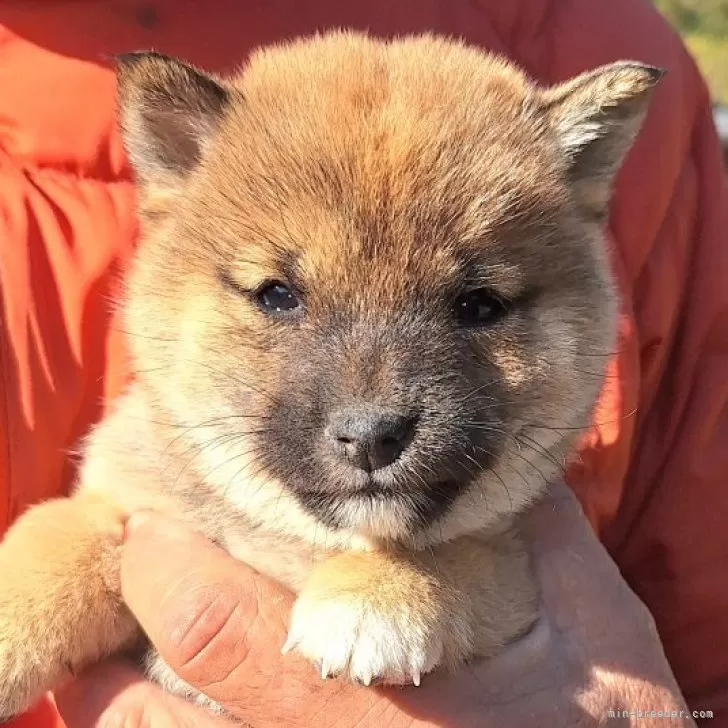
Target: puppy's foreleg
60 604
393 616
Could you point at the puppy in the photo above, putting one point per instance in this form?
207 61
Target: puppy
364 322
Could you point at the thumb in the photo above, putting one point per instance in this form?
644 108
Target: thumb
216 622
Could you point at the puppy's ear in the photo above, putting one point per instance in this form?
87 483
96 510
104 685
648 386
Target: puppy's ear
169 111
596 117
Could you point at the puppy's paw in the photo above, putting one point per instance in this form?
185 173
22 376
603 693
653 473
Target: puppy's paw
350 636
375 618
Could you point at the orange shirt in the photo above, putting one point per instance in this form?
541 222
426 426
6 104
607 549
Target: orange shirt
653 472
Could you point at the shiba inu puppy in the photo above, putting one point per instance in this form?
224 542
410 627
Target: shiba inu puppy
364 322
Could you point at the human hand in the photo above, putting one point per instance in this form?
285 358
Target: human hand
220 626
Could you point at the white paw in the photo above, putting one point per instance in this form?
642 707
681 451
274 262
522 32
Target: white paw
349 636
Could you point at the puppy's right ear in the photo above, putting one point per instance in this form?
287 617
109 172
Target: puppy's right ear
169 112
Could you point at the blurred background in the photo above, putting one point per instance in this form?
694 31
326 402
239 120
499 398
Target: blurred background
703 24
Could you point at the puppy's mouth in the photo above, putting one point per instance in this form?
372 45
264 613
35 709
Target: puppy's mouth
372 490
377 492
415 507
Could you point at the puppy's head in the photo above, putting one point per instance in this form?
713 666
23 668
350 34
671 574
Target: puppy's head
373 286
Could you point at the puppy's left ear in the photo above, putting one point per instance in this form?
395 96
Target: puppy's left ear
169 111
596 117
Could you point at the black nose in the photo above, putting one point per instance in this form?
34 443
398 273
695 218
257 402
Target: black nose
369 438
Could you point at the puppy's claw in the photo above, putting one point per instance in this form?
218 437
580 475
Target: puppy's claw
416 678
324 670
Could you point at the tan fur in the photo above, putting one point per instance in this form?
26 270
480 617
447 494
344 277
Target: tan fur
375 169
59 596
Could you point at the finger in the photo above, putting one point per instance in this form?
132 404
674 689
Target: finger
114 695
216 622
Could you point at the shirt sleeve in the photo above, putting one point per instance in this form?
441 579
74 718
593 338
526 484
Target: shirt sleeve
670 533
63 241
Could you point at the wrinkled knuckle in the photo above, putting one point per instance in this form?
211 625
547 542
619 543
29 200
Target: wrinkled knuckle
208 640
199 620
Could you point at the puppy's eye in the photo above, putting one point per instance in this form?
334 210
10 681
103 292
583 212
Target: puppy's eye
277 298
479 307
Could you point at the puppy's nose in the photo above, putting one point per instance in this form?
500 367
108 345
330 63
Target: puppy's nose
369 438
